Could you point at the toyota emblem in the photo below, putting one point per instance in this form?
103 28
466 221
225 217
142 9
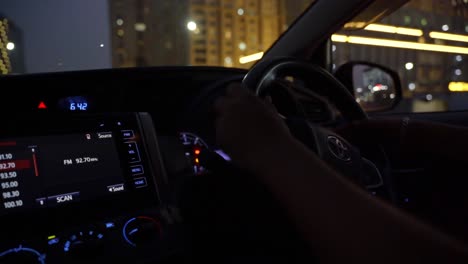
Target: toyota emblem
338 148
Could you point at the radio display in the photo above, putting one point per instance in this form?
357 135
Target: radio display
50 170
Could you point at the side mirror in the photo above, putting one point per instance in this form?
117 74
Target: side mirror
375 87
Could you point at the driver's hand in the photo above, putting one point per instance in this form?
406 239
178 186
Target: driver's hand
248 128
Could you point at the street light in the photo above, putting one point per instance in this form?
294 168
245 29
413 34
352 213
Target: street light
192 26
409 66
10 46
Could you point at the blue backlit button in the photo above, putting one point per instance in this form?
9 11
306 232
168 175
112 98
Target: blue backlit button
127 134
53 240
132 150
139 182
137 170
63 198
109 225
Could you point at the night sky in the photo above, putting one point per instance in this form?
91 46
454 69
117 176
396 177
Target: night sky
62 35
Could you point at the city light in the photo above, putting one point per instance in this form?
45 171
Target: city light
399 44
423 22
119 22
141 27
429 97
411 86
445 27
192 26
458 72
448 36
228 61
458 87
102 45
242 46
240 11
10 46
250 58
409 66
458 58
339 38
394 30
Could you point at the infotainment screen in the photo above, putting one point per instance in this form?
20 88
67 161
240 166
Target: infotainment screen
61 168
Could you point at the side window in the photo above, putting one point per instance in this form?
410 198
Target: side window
426 42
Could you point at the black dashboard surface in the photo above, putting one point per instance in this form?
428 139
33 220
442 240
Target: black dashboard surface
162 91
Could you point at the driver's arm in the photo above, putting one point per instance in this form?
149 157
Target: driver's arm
412 137
341 222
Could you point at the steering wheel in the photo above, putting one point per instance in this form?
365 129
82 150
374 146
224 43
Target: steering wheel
242 195
329 146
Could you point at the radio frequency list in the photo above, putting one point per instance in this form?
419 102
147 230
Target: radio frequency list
11 167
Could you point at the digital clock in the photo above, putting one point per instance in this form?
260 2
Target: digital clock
74 103
78 106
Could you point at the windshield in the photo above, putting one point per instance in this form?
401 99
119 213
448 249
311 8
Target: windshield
66 35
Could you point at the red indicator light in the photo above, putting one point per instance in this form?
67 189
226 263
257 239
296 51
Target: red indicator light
197 152
42 105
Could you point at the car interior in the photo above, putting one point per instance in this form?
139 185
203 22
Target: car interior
122 165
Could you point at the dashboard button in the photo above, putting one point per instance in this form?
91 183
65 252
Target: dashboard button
53 241
127 134
140 182
136 170
133 154
41 201
63 198
109 225
116 188
85 244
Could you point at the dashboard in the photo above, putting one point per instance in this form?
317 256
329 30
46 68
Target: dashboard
95 185
83 179
89 161
81 186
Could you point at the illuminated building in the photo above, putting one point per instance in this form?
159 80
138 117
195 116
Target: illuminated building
5 47
148 32
197 32
15 36
223 31
11 48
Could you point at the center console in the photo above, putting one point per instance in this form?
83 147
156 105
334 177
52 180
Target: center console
83 188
